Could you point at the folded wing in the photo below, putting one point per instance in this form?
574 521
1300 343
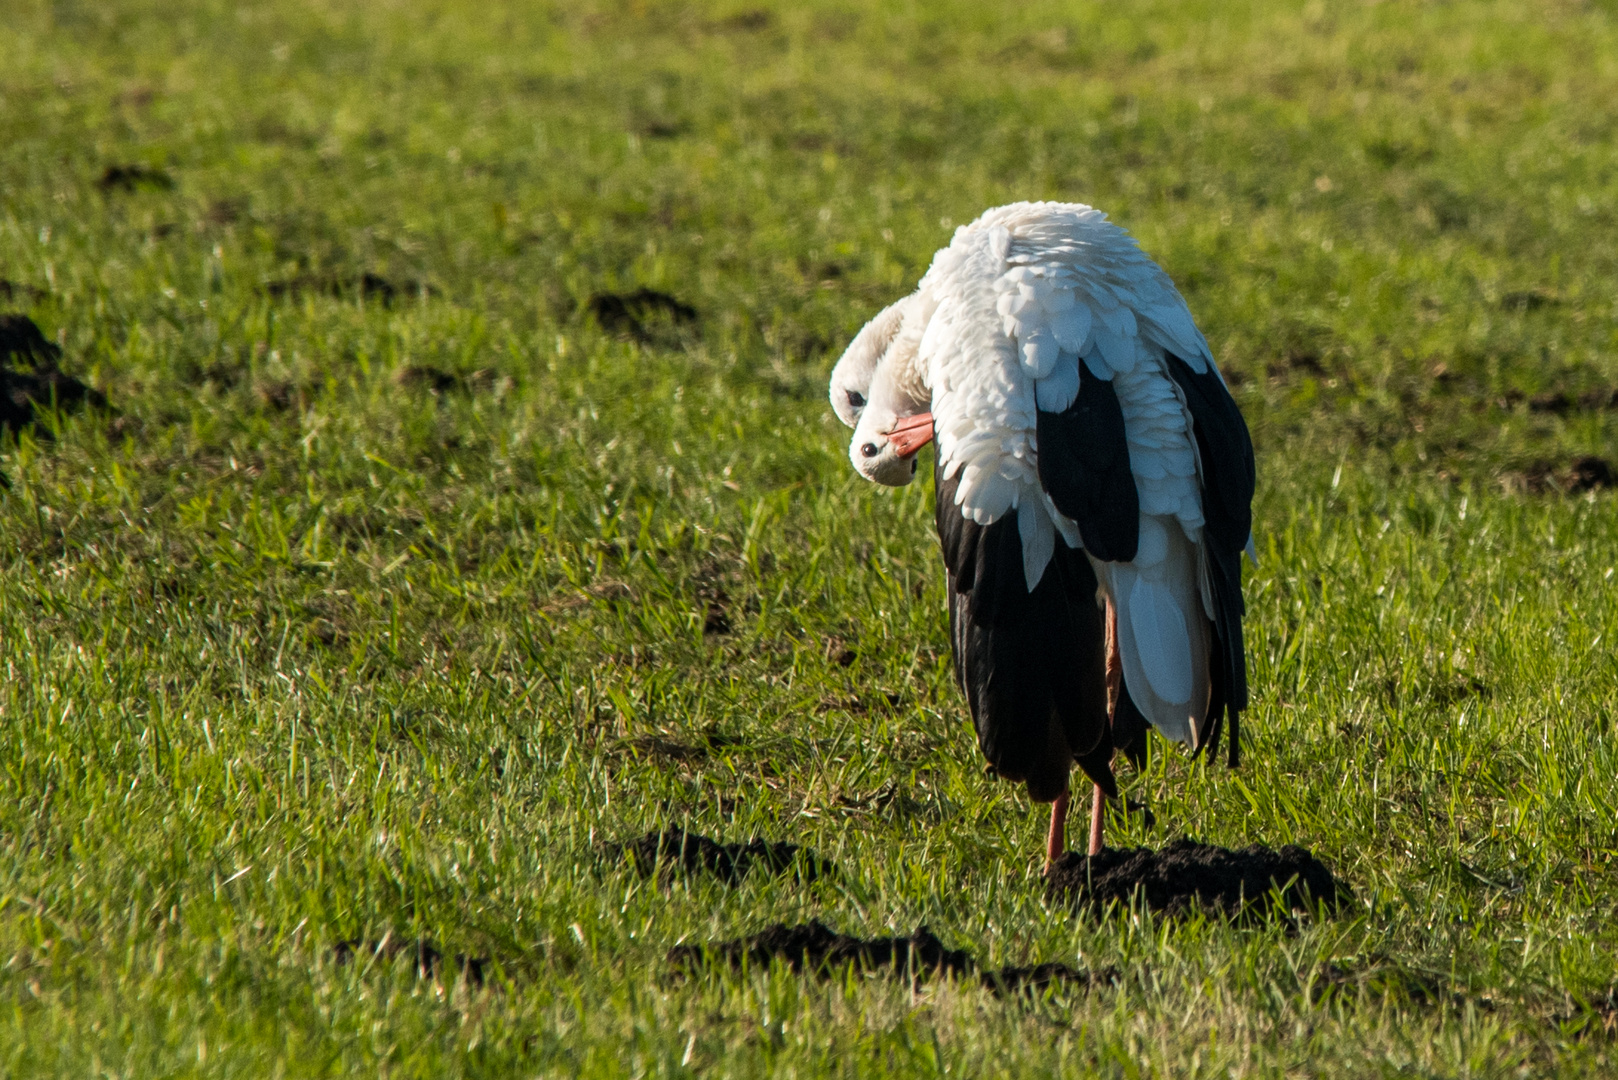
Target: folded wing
1070 385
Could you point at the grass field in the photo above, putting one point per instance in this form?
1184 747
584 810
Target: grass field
377 604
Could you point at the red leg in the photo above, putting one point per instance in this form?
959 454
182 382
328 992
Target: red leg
1056 839
1098 807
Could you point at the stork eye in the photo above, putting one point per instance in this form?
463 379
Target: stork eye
870 449
856 399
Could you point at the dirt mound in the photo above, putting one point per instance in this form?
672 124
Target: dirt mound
675 850
428 957
816 948
21 393
1186 875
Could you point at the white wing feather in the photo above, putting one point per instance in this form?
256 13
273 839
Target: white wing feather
1164 640
1056 391
1161 640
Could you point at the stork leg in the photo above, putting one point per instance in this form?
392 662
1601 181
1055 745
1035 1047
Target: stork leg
1098 808
1115 687
1056 839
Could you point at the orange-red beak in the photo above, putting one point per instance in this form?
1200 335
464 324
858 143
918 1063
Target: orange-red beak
912 433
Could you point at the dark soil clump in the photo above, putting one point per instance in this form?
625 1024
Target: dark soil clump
1590 474
24 392
1530 300
130 177
1033 979
281 396
629 313
1555 402
716 620
753 20
21 336
666 749
367 286
1187 875
12 290
428 957
677 851
1596 1016
438 381
817 948
429 378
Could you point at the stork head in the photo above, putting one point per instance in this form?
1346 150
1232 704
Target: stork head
851 378
877 389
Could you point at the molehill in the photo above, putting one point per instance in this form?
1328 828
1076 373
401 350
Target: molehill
1186 875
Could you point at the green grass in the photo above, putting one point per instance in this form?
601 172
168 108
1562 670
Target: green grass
296 650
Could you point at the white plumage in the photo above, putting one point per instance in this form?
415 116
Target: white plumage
994 334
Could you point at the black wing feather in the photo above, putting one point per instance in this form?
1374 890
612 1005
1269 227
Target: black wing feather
1084 468
1228 481
1031 664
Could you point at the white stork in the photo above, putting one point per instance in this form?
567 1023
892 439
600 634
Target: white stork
1094 481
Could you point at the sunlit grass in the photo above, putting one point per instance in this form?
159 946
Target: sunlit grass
356 619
